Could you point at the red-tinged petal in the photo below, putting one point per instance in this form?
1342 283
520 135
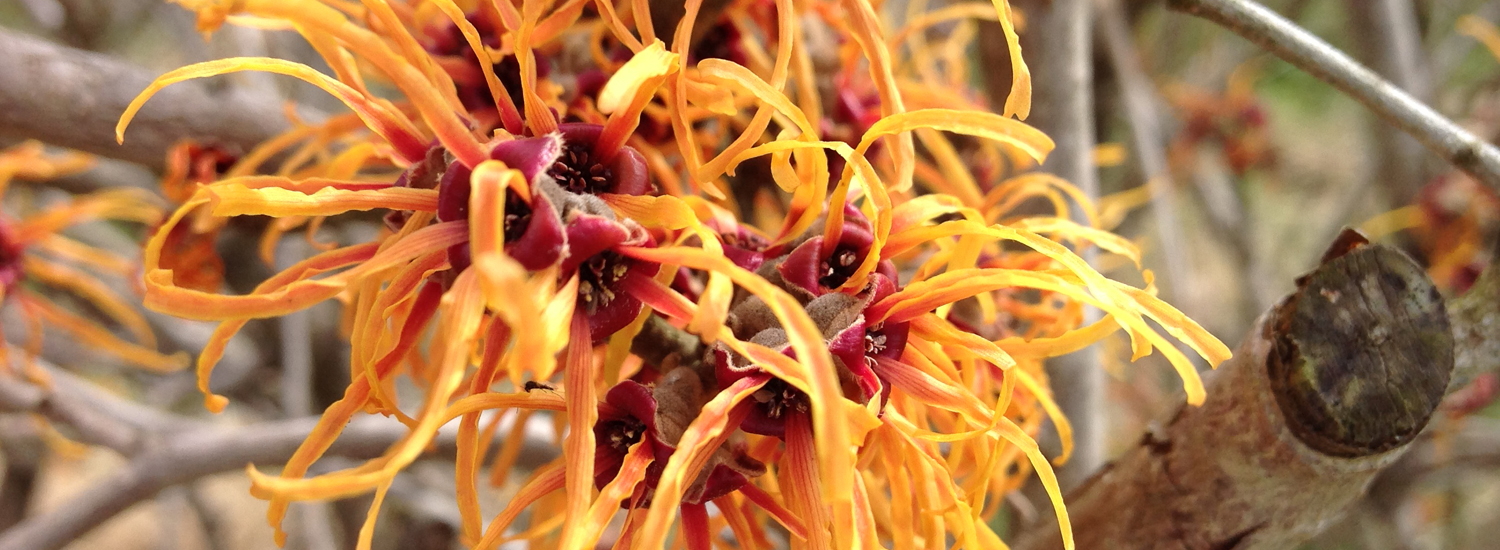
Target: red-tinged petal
816 370
628 174
721 481
613 316
630 398
453 193
695 527
583 412
476 45
802 266
532 156
657 296
589 235
701 438
545 240
799 469
849 345
786 518
585 533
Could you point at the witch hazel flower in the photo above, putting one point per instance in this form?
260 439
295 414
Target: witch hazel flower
813 376
40 263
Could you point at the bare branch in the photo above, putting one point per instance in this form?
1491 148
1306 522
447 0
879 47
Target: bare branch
184 458
1392 44
167 450
72 98
65 408
1057 44
1476 328
1299 47
1139 98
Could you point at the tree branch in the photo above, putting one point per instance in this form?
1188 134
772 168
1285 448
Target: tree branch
184 458
67 408
72 98
1057 44
1286 40
167 450
1330 387
1392 45
1139 98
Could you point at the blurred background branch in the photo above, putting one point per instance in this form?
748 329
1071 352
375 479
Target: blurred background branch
1265 28
73 98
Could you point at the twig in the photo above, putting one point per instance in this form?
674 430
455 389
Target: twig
1476 328
65 409
72 98
295 330
184 458
1300 48
1392 44
166 450
1057 45
1139 98
311 526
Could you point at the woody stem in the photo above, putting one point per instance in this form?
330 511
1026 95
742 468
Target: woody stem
1295 45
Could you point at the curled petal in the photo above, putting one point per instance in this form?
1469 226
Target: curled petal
238 200
389 124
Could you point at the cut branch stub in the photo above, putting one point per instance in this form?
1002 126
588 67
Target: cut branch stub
1361 353
1328 388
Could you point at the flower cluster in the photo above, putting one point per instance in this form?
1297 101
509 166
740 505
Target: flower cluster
726 261
53 278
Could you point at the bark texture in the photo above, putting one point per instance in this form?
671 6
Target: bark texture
1327 389
73 98
1056 45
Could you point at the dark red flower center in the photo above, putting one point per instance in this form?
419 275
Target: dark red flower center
778 399
875 342
517 216
621 433
598 278
578 170
838 267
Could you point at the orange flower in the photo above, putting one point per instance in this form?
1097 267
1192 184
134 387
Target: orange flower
34 254
817 371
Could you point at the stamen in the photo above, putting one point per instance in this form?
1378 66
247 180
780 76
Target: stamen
579 170
621 434
874 342
779 398
598 278
517 216
839 267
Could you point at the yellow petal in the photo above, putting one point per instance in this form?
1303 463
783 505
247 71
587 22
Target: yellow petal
238 200
391 125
